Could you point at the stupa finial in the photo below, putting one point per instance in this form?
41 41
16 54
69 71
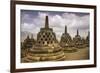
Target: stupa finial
65 29
46 22
77 32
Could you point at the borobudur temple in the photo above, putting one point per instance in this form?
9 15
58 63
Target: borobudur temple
46 47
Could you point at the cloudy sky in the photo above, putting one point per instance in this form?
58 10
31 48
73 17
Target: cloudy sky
32 21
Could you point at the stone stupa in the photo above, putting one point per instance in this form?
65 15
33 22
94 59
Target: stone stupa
46 47
65 39
66 42
77 40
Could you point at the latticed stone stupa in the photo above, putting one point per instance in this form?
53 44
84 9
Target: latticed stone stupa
77 40
65 38
27 44
46 36
46 47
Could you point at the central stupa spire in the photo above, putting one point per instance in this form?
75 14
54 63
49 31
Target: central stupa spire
65 29
77 32
46 22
